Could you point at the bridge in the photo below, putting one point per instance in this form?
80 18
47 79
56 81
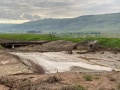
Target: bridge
19 43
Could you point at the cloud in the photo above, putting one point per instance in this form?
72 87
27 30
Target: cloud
37 9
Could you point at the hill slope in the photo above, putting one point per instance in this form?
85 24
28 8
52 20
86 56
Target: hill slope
102 23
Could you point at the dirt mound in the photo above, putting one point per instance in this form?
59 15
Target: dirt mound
59 45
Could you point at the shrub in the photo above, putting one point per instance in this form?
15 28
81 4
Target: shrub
112 79
118 86
52 79
88 77
96 77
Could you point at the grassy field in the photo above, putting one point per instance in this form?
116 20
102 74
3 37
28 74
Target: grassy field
108 42
28 37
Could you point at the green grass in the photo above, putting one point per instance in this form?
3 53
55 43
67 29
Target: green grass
110 42
28 37
107 42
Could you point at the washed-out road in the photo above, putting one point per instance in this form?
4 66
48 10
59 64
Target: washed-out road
53 62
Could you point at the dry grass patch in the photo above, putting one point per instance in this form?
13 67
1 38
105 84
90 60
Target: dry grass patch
52 79
75 87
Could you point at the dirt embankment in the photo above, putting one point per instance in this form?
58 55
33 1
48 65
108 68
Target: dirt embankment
12 64
63 81
59 45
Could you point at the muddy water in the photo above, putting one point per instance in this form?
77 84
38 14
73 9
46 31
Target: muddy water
53 62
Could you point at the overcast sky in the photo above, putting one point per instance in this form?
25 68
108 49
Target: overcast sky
37 9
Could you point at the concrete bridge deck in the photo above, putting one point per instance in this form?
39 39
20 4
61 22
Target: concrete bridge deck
21 43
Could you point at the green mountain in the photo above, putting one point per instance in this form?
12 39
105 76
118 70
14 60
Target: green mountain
101 23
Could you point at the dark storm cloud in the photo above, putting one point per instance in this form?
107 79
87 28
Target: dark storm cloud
37 9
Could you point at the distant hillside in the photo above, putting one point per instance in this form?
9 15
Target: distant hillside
4 27
101 23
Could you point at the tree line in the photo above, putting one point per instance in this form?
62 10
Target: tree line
76 33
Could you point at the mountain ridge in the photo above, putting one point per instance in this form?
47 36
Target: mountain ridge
101 23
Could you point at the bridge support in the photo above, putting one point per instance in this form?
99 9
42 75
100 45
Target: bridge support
13 46
19 44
